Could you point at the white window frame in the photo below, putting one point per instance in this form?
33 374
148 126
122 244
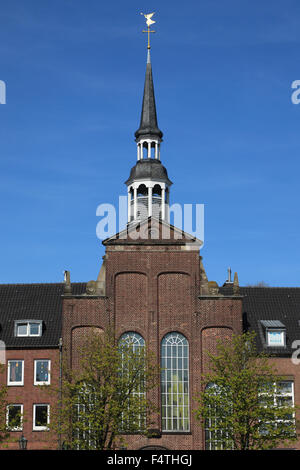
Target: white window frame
14 383
43 382
28 323
280 394
276 330
40 428
277 395
20 428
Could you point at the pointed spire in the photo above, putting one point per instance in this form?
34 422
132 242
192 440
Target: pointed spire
148 124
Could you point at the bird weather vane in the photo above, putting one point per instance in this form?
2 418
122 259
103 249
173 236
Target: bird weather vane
149 22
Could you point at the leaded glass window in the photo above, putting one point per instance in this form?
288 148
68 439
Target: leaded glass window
131 344
85 432
215 438
175 383
133 340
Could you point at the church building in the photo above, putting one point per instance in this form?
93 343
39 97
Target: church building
152 287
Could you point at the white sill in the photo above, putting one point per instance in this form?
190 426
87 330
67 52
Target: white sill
40 428
28 336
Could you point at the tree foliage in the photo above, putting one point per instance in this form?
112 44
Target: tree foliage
106 398
244 405
4 434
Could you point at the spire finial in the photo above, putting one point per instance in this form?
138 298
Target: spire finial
149 22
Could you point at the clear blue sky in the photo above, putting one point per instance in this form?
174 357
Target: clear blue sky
223 70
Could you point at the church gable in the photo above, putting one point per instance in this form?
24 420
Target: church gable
152 231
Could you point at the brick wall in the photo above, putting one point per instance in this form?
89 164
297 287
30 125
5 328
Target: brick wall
154 290
30 394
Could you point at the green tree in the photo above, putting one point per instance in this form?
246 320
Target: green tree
245 404
3 407
10 416
106 397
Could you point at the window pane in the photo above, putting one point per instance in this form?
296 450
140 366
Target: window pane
34 328
14 416
15 371
275 338
284 387
42 371
22 329
41 415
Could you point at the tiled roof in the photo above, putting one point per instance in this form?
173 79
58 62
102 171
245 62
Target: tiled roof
44 302
271 303
32 302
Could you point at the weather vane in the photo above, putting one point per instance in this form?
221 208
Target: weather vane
149 22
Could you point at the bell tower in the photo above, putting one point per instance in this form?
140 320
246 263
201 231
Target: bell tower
148 185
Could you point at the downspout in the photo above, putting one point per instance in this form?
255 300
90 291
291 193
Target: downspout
60 394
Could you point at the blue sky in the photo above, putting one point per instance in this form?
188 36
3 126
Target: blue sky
223 71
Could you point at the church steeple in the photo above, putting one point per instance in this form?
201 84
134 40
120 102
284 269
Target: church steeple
148 184
148 125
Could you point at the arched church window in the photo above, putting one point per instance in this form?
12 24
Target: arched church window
133 340
132 348
84 435
175 382
215 438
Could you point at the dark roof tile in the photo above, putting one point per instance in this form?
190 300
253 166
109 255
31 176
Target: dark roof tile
32 302
271 303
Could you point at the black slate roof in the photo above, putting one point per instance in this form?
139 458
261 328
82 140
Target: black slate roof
33 302
44 302
148 169
148 125
271 303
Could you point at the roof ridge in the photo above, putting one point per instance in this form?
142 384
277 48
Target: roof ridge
39 283
261 287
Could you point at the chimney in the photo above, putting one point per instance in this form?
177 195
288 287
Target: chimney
67 282
228 280
236 286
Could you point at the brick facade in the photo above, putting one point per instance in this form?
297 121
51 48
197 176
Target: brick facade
30 394
153 289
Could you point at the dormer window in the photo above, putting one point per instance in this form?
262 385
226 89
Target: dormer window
275 333
28 328
276 337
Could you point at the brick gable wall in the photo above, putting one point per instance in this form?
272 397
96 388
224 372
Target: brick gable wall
154 290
